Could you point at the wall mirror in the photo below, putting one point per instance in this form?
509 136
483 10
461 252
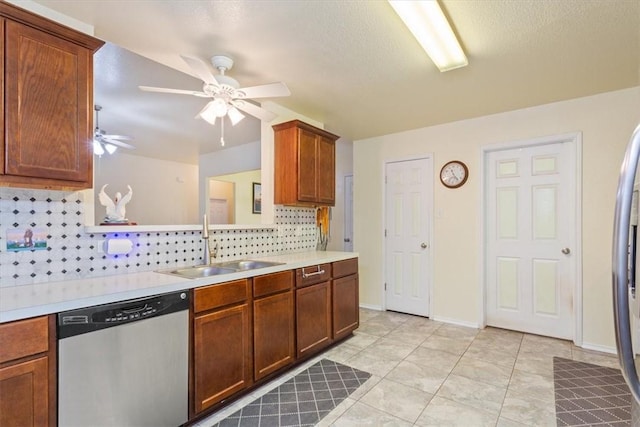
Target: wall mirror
175 155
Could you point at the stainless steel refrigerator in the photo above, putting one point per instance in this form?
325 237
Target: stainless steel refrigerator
626 298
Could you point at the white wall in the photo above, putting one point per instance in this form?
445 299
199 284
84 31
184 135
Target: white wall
164 192
606 122
242 158
344 167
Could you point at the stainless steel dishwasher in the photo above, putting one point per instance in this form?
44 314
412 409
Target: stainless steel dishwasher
125 364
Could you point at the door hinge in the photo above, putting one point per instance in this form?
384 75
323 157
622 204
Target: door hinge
385 286
385 232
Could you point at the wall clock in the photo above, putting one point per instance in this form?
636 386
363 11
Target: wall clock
454 174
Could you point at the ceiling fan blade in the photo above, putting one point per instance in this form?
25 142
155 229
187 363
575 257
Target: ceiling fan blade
177 91
271 90
118 137
116 143
201 69
254 110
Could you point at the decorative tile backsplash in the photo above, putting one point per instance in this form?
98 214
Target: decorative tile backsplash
73 254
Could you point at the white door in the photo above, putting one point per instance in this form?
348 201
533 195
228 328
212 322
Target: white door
219 211
408 216
530 236
348 213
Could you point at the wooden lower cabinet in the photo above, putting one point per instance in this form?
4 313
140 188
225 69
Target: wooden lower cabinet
222 354
273 333
313 318
24 392
28 372
346 313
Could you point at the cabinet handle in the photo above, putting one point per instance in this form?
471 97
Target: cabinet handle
315 273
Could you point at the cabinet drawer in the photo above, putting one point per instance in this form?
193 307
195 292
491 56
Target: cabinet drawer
24 338
345 268
221 294
313 274
272 283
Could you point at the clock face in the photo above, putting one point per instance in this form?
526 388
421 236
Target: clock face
454 174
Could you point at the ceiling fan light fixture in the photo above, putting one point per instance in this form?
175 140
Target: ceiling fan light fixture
235 115
110 148
97 148
430 27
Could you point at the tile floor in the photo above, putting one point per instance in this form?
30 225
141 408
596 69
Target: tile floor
427 373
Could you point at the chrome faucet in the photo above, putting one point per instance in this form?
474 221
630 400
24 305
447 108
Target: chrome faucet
209 253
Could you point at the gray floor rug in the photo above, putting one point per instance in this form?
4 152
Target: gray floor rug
303 400
590 395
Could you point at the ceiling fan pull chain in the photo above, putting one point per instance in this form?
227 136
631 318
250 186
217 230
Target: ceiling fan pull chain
222 131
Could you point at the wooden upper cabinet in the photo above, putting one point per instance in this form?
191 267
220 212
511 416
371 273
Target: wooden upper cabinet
304 165
48 100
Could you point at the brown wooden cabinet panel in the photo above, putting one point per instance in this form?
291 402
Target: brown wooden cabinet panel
48 103
346 313
312 274
222 355
23 338
2 25
326 180
221 294
24 394
307 167
313 318
273 333
272 283
28 366
304 169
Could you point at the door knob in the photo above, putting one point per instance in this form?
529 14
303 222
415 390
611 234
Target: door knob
347 239
566 251
424 246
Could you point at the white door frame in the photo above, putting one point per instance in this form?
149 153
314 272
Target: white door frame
575 139
384 223
346 216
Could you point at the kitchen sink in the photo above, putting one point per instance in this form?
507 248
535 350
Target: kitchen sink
200 271
244 264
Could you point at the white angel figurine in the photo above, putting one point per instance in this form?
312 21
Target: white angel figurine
116 207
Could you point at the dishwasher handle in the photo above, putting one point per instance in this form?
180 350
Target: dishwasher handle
91 319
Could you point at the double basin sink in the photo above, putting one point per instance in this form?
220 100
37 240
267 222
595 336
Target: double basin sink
200 271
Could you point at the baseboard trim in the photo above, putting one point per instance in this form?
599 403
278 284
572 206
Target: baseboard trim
601 348
371 307
455 322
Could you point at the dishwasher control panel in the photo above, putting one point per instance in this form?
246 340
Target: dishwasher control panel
90 319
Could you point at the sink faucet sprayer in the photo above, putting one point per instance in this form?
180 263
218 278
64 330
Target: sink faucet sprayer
209 253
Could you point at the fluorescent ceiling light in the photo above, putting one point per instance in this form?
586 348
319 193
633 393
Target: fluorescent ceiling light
432 30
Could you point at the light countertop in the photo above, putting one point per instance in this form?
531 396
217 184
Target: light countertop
21 302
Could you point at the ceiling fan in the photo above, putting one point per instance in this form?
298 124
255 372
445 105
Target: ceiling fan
228 97
103 141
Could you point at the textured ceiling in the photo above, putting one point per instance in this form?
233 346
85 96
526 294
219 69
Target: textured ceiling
355 67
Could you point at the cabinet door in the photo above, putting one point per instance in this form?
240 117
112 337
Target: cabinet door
48 94
313 318
222 355
273 333
346 311
24 388
307 166
326 171
2 24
